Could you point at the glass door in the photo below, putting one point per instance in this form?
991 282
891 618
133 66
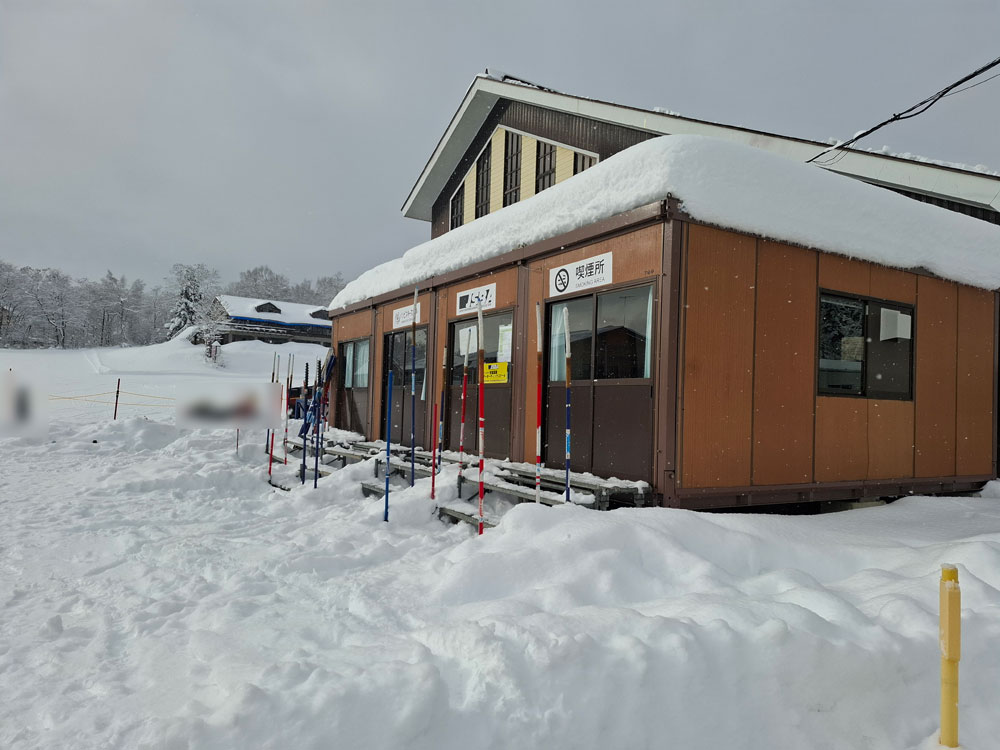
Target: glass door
498 340
611 380
398 358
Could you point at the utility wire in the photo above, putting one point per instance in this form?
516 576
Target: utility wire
917 109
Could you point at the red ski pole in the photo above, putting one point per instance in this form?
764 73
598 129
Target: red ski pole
461 428
434 446
482 418
538 408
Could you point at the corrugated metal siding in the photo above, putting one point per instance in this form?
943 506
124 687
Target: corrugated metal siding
601 138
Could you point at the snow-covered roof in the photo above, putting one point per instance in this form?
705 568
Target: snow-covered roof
726 184
290 313
904 172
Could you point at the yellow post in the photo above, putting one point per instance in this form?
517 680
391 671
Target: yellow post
951 652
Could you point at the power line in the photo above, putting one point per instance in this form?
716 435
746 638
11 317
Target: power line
972 85
917 109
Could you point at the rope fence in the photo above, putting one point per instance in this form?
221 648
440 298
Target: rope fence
160 402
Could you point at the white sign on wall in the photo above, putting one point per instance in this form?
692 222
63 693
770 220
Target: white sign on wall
403 316
468 299
584 274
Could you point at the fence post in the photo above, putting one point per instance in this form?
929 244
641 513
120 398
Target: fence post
118 389
951 651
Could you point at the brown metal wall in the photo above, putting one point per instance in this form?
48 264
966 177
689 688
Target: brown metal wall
974 426
784 388
935 344
718 353
345 328
748 359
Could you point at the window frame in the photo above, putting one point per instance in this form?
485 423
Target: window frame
348 380
456 208
483 167
582 161
452 328
545 178
867 392
550 302
512 150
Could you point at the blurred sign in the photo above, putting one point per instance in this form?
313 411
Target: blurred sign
468 301
249 406
403 316
584 274
22 409
495 372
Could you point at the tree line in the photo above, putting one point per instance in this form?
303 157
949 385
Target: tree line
45 307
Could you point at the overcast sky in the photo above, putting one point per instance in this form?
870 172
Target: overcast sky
139 133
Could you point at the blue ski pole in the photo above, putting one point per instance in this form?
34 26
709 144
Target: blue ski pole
568 370
388 440
413 393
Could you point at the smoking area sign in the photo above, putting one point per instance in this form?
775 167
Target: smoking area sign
495 372
584 274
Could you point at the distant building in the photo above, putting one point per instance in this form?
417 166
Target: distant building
273 321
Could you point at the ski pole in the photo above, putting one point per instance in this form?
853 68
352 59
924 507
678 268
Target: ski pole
434 446
482 416
274 364
568 390
288 392
538 407
319 408
461 428
413 392
118 389
388 452
270 454
440 424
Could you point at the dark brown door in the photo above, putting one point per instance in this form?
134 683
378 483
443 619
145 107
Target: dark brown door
611 385
497 395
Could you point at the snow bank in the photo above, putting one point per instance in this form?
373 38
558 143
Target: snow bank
157 593
727 184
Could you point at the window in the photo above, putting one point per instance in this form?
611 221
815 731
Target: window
613 344
483 183
865 348
545 166
582 162
458 208
624 321
354 363
497 344
511 168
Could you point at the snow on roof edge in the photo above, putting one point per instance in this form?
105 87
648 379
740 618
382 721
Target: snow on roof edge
725 184
292 313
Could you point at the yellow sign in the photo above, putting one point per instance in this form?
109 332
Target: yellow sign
495 372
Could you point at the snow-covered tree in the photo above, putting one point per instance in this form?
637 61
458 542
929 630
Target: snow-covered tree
195 288
263 283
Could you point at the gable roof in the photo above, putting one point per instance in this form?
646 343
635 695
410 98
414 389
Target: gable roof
288 313
943 181
723 184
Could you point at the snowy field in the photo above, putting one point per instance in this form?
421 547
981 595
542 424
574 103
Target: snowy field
156 592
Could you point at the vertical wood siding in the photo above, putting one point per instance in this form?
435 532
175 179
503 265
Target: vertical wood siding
841 439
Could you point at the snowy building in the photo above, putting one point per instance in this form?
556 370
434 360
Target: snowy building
743 328
273 321
510 139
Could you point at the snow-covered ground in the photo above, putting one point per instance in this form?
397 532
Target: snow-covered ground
157 593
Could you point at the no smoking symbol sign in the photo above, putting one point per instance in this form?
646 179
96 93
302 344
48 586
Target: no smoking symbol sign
562 280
